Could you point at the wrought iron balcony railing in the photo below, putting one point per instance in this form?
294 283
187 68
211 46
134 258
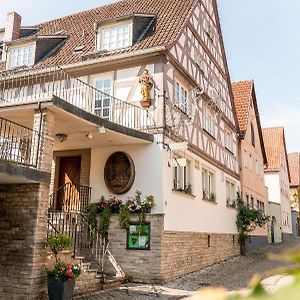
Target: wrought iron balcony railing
18 144
25 86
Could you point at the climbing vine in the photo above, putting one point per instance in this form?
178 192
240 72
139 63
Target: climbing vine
247 220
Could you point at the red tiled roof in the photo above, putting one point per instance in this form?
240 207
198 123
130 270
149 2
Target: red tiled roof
274 140
294 167
242 93
171 15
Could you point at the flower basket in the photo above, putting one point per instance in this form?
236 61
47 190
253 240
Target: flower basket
59 289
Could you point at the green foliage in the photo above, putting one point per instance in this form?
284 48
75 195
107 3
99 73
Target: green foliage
61 270
124 217
92 210
59 243
135 205
104 221
248 219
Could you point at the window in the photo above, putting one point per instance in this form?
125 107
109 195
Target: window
228 140
209 122
182 177
246 159
247 199
208 185
252 135
102 98
230 193
252 202
181 97
115 37
261 206
21 56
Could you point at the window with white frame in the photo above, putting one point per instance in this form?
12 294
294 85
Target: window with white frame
182 176
228 140
102 97
209 122
230 193
21 56
208 184
181 97
114 37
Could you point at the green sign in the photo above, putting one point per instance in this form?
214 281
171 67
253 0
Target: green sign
138 236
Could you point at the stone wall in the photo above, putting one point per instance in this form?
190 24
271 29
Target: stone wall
23 226
140 265
172 254
254 242
186 252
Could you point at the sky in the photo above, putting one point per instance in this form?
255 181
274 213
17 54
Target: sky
262 43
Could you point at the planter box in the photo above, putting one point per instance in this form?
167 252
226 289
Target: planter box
59 289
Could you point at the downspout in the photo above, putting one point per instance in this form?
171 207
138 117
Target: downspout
39 133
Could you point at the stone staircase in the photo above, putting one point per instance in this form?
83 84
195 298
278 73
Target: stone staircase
90 251
90 279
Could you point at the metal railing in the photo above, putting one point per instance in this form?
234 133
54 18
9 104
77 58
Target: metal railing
70 198
18 144
25 86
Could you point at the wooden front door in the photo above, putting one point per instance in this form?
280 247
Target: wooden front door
68 183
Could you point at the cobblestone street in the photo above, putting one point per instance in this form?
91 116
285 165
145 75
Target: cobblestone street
233 274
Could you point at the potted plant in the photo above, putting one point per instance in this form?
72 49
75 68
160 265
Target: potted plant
212 197
62 276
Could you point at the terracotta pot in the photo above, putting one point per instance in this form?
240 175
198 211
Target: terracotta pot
145 103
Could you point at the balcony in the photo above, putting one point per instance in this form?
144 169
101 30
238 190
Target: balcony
19 154
32 86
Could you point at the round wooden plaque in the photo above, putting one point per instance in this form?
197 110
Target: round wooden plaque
119 172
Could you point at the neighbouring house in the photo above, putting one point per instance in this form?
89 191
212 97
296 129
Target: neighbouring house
277 178
252 156
294 167
129 96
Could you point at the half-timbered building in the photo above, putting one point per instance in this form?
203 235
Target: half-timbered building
74 86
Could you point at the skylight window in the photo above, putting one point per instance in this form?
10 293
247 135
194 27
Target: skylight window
21 56
115 37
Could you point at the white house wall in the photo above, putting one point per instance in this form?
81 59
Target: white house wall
148 163
286 215
191 213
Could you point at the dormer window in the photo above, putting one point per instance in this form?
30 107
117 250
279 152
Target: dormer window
114 37
21 56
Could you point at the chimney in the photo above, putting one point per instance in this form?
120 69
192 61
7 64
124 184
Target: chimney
12 27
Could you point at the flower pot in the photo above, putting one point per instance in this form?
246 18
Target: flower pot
59 289
145 103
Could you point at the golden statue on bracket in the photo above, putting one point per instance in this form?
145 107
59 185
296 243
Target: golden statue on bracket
146 82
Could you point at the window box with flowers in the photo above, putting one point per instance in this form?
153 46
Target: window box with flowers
231 202
209 196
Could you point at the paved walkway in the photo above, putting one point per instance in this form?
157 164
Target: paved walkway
234 274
